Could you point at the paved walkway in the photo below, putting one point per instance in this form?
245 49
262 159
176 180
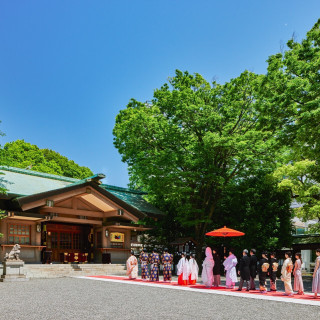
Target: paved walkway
84 298
306 299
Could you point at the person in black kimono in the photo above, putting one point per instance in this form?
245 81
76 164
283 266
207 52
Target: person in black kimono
273 268
253 268
263 272
216 268
244 270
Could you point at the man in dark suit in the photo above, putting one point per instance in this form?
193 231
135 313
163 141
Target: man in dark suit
253 268
244 270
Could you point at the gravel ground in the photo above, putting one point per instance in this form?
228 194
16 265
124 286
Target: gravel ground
71 298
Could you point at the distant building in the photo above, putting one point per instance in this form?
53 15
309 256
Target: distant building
304 241
62 219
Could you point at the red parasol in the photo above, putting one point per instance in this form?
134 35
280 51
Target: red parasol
225 232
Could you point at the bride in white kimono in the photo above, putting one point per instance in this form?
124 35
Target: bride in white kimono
207 269
132 266
230 268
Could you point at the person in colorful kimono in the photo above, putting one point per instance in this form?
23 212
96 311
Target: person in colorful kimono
253 269
183 270
132 266
144 260
298 283
216 268
263 272
154 261
194 270
230 268
273 268
166 260
286 274
316 275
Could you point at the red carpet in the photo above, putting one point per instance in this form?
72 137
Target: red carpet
200 286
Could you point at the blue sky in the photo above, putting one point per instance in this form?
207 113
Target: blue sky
68 67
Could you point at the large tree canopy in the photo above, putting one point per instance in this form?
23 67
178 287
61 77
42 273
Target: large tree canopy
22 154
292 87
194 139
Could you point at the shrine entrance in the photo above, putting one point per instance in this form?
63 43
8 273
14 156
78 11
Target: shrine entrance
68 243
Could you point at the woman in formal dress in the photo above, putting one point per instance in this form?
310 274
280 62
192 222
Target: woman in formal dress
207 269
298 283
194 270
286 274
183 270
273 268
263 272
132 266
230 268
316 275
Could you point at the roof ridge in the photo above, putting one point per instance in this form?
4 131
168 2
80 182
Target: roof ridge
39 174
108 186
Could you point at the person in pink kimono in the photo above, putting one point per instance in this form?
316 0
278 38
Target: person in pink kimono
132 266
298 283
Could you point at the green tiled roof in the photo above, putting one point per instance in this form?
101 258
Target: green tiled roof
134 198
24 182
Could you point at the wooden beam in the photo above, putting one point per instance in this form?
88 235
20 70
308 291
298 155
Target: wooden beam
78 212
72 220
55 198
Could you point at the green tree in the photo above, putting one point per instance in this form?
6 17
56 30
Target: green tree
256 206
22 154
292 88
299 179
193 140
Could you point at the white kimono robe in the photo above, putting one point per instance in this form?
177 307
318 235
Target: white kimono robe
286 276
183 268
132 267
231 272
194 269
207 269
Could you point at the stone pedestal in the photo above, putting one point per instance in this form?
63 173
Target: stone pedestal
13 271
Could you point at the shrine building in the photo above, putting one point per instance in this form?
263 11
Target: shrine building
61 219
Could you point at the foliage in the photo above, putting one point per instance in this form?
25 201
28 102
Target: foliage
253 205
23 155
256 207
292 88
193 140
299 179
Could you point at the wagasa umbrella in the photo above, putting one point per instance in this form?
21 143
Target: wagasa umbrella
225 232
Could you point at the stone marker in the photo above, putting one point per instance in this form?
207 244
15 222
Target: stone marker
13 266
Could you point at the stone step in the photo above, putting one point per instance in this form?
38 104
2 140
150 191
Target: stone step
68 270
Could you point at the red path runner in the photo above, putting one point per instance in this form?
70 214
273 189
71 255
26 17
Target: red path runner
200 286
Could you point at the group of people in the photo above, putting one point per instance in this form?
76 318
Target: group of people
249 267
154 259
